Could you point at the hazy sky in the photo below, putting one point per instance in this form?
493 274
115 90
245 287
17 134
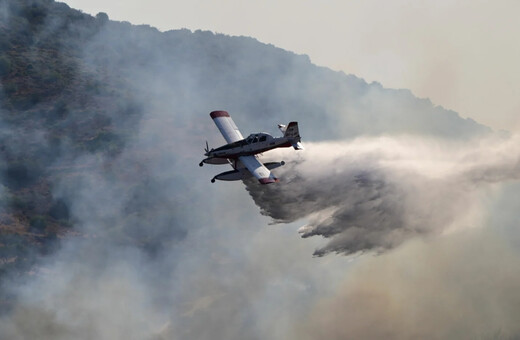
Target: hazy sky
462 55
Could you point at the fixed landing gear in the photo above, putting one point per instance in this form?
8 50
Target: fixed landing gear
201 163
212 180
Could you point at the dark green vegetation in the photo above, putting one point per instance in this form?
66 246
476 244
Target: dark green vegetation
77 89
51 101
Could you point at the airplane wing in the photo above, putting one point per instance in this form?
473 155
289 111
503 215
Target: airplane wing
227 127
257 169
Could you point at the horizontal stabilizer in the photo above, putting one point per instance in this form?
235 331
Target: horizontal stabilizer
298 146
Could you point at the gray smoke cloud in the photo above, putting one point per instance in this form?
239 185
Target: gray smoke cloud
373 194
461 286
158 252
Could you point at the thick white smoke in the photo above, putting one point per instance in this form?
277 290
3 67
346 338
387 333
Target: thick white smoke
375 193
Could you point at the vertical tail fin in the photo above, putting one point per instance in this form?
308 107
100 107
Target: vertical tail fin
291 131
293 134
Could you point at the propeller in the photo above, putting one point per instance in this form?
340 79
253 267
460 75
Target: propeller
207 152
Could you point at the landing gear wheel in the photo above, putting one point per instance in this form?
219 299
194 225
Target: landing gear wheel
201 163
212 180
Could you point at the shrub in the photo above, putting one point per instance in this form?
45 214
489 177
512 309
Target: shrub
5 65
38 223
60 210
20 174
35 14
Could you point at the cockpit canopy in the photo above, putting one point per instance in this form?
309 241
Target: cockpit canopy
258 137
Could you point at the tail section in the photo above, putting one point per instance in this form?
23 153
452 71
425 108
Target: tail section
291 131
293 134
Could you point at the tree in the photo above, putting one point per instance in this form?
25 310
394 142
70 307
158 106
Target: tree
102 17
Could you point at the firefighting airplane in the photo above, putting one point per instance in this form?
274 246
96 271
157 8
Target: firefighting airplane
241 152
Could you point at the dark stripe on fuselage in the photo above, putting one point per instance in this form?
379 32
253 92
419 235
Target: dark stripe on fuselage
231 145
246 153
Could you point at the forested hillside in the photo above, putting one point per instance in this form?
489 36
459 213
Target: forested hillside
82 99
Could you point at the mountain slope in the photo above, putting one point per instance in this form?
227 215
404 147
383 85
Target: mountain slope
86 100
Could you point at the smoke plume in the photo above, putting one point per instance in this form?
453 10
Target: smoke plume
155 251
458 287
373 194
